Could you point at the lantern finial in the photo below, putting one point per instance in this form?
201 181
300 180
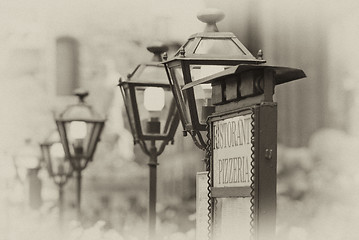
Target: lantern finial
81 93
182 52
260 54
165 56
210 16
157 48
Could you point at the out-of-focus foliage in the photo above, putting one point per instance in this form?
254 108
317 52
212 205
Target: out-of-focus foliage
318 188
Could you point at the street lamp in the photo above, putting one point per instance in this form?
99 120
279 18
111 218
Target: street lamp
152 116
27 164
202 55
223 91
80 128
58 167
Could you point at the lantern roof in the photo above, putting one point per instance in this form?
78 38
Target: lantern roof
80 111
135 91
152 71
212 44
282 74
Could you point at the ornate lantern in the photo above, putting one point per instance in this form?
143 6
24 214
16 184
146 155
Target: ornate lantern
153 116
149 102
58 166
202 55
80 128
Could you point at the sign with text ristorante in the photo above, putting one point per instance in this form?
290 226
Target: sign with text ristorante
232 151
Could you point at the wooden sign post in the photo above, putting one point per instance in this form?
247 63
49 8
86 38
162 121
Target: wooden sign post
243 150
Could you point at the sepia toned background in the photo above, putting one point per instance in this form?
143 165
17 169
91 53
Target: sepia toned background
49 48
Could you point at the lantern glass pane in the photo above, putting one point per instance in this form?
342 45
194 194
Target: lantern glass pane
187 46
203 92
155 74
94 137
201 71
79 133
153 104
177 75
126 93
218 47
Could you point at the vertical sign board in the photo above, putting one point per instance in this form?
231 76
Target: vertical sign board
243 173
231 176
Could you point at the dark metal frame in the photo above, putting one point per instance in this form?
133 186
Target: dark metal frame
187 56
80 162
59 180
62 180
128 90
94 139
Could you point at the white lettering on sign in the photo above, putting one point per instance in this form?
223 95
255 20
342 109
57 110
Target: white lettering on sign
232 151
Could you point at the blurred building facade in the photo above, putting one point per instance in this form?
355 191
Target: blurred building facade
50 48
317 36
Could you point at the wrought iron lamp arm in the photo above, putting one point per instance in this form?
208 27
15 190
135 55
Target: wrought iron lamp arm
162 147
198 140
76 164
144 147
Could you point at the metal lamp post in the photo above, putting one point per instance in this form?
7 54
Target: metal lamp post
202 55
152 116
59 168
80 128
27 164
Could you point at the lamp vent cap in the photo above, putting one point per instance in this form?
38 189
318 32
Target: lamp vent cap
210 16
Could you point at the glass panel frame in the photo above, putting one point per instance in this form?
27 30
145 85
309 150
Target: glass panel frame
218 46
144 115
177 82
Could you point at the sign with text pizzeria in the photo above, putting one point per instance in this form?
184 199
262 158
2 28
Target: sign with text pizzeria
242 151
232 152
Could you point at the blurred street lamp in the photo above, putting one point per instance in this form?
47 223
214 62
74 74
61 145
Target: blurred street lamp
58 167
152 116
27 164
80 128
202 55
